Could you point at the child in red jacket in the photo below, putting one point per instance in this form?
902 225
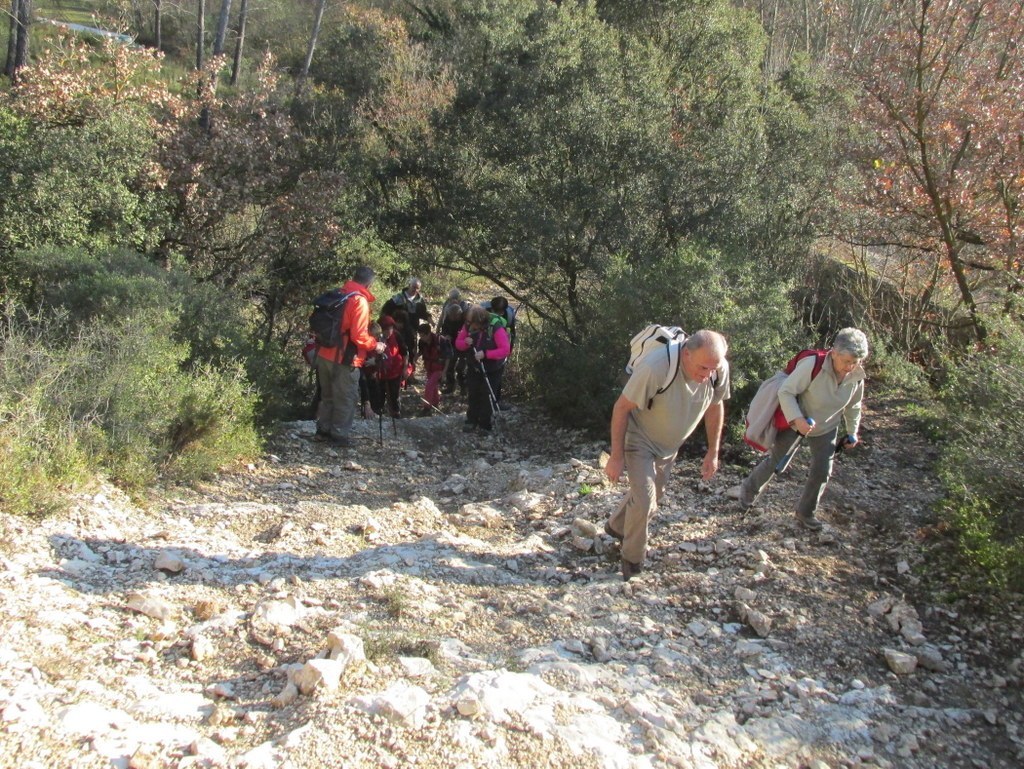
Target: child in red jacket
435 350
391 370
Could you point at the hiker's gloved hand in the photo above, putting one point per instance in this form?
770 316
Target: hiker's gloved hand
380 348
479 354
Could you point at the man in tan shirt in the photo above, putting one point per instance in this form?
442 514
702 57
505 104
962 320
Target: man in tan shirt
648 428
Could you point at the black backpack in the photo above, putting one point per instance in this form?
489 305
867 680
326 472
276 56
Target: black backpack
325 320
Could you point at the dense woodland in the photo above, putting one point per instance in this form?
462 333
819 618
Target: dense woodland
774 170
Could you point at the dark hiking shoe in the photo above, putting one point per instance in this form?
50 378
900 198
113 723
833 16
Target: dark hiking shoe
611 532
468 428
630 569
810 522
320 437
340 443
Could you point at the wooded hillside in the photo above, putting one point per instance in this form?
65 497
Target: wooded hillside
169 208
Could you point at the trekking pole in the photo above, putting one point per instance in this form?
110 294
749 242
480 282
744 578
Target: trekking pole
495 411
435 408
380 426
783 463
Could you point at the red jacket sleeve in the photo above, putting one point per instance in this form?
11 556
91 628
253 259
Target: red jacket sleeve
357 324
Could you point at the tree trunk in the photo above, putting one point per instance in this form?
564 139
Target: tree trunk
312 45
200 31
243 14
24 25
222 27
12 39
158 25
138 18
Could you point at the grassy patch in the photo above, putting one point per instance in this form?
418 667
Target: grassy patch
81 12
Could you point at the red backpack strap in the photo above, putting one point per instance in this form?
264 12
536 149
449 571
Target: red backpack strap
819 360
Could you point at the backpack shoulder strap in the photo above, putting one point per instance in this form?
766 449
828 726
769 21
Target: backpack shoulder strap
819 361
673 350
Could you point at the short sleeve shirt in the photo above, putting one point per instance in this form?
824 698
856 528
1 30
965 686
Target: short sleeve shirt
673 414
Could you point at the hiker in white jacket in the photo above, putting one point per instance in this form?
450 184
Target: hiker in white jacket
831 399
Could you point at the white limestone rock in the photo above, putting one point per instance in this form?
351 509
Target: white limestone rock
402 702
151 605
279 614
346 649
169 562
417 667
899 662
319 674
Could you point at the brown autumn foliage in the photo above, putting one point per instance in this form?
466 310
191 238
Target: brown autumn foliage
939 166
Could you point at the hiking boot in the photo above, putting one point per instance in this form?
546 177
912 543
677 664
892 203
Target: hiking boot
611 532
736 493
340 443
630 569
469 427
809 522
320 437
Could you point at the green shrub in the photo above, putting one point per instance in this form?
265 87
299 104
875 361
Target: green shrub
984 562
696 287
982 464
117 400
43 452
891 373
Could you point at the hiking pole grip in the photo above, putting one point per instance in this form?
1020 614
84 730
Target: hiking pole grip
784 461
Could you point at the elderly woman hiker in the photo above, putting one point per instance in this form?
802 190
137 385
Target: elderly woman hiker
814 406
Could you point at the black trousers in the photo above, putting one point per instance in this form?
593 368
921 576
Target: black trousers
393 389
480 411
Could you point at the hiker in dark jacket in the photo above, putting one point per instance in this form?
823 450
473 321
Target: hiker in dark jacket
454 300
486 339
371 390
831 399
452 319
412 302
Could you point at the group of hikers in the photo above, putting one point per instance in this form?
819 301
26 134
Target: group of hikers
818 401
661 404
377 359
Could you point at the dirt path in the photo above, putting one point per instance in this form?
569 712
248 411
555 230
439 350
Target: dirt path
445 600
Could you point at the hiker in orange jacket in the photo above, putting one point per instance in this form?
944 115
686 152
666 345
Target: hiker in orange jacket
338 367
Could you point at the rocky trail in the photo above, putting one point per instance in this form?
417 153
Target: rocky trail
438 599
